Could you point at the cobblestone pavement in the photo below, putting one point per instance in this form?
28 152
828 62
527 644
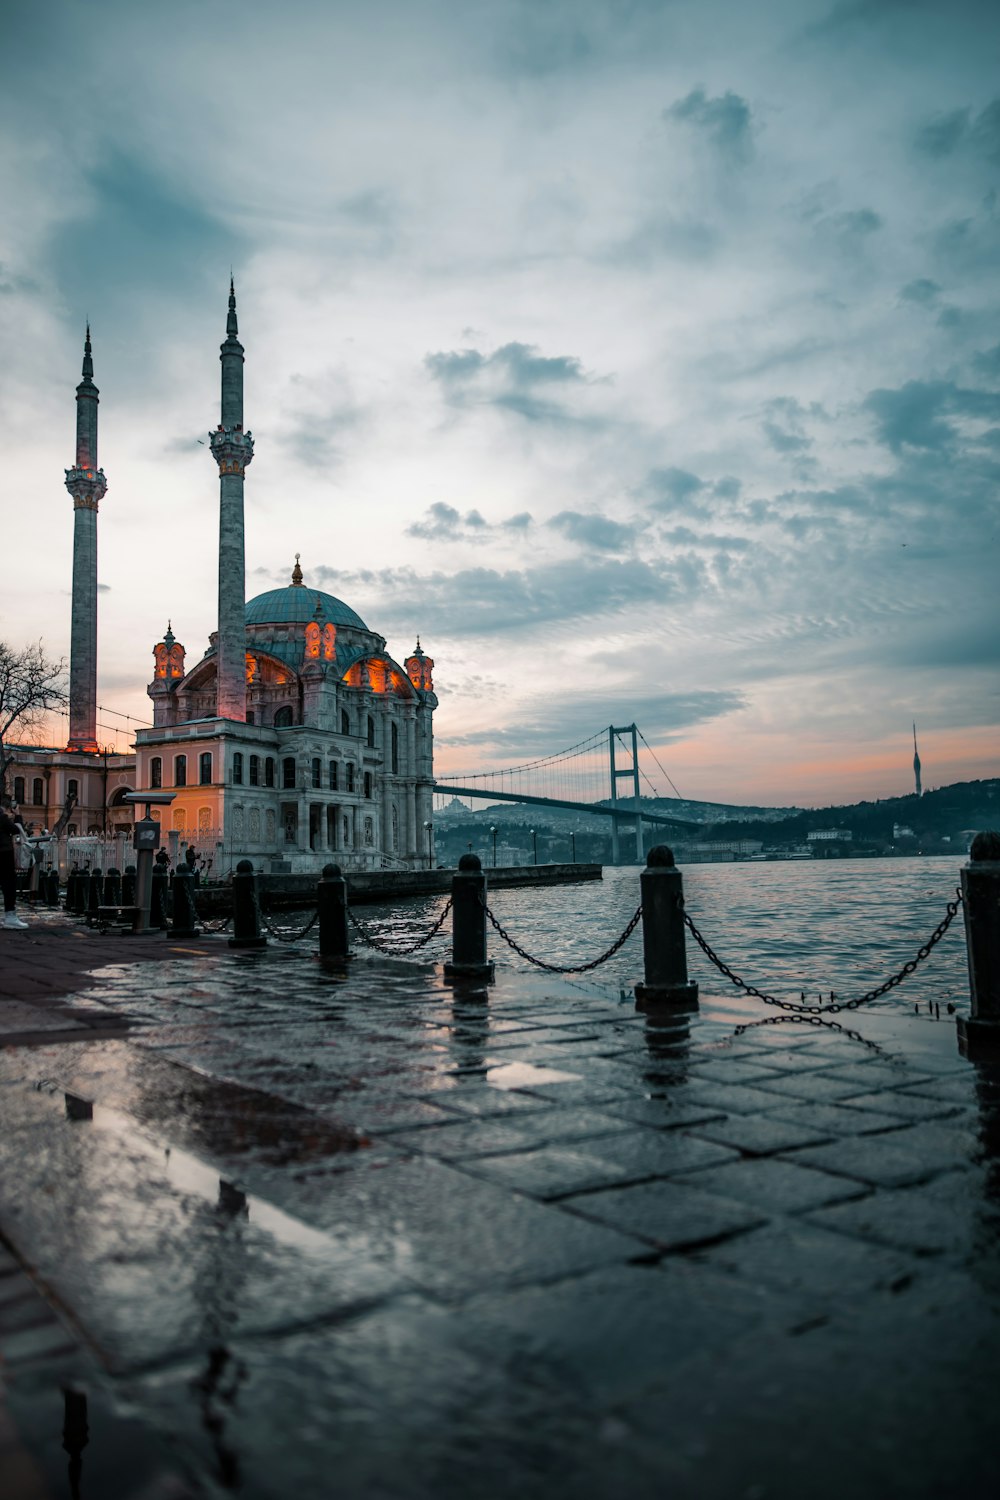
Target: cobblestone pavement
274 1230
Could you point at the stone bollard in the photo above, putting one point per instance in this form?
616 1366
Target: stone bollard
158 897
185 918
95 896
331 902
112 888
128 886
666 985
979 1033
469 959
246 909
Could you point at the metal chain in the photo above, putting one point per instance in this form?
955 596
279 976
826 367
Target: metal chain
373 942
566 968
215 926
288 936
923 952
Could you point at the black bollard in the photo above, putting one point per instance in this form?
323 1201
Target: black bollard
469 958
666 985
52 887
246 909
331 902
128 886
979 1033
71 880
158 897
185 918
81 894
112 888
95 896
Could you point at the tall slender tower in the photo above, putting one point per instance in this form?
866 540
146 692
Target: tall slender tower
232 449
916 765
87 485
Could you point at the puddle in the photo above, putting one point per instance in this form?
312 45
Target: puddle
522 1075
189 1174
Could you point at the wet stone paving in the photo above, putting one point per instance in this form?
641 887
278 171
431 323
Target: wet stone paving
275 1230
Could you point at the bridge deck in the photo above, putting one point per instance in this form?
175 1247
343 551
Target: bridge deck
623 814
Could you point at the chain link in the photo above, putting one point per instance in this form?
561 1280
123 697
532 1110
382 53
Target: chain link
215 926
923 952
367 936
288 936
566 968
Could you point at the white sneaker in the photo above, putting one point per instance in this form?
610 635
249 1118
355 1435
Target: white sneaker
11 919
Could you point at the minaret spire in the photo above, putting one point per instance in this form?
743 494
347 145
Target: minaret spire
916 765
88 486
232 449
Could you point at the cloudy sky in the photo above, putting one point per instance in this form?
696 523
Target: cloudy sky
643 356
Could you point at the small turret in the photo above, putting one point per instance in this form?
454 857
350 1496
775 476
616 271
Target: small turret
420 669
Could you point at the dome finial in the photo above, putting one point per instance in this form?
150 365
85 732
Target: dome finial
297 572
168 639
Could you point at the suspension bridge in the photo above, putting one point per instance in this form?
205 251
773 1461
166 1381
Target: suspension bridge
600 776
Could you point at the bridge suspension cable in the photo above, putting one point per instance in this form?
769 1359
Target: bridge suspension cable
532 765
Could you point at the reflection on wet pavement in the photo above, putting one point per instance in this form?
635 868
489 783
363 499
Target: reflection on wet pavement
370 1236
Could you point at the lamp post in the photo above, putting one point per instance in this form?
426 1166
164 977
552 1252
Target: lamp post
106 750
534 844
572 842
493 830
429 828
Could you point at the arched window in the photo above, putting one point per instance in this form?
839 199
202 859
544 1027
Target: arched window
317 771
394 747
345 721
269 771
332 770
38 792
283 717
237 769
73 790
368 783
205 768
288 771
350 777
251 716
156 771
180 770
18 789
255 770
371 733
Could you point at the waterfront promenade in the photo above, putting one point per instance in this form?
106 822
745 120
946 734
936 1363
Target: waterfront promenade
272 1230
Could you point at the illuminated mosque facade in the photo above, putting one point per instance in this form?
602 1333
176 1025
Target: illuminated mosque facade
297 739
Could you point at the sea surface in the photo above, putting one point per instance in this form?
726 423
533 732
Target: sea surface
786 927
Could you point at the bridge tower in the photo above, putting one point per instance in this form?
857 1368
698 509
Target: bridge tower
616 775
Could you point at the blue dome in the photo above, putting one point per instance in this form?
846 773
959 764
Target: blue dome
296 605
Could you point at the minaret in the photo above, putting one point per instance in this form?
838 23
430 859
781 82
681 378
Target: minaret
916 764
87 485
232 449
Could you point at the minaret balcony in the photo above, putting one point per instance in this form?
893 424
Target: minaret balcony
232 449
87 486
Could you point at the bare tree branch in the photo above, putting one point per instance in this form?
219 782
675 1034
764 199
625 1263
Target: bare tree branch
31 685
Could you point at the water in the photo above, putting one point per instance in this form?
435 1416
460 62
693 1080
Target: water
784 926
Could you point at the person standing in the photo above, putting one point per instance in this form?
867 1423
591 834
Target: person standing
11 828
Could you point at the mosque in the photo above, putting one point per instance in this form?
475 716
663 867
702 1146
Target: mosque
296 739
